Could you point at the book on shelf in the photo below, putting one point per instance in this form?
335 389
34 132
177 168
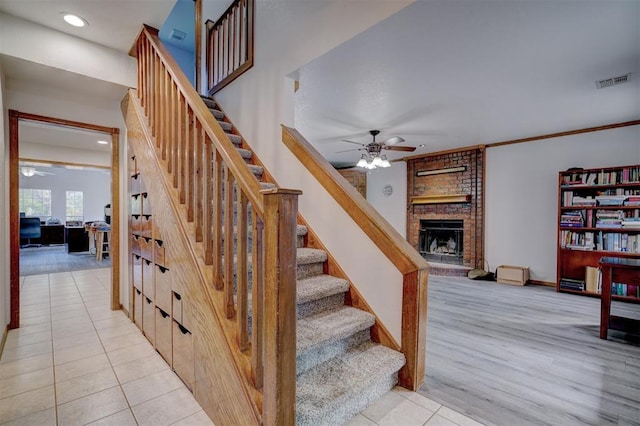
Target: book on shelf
572 284
592 277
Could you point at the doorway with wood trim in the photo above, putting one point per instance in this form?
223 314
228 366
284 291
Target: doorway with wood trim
111 135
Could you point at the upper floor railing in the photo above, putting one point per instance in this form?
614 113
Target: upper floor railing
235 227
230 45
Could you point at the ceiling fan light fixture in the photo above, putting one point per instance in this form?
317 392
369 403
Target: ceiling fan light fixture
363 161
377 161
28 171
384 162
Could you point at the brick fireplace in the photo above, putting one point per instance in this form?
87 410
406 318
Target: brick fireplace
445 208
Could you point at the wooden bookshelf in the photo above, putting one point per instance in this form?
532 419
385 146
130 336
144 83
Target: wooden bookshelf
598 215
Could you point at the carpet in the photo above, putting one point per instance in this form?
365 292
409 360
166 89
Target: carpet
52 259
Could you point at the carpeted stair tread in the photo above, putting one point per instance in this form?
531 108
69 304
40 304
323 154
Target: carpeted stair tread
245 153
333 392
267 185
226 126
307 256
319 287
329 327
210 103
235 139
219 115
302 230
256 170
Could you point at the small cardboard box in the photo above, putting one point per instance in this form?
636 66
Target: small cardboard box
514 275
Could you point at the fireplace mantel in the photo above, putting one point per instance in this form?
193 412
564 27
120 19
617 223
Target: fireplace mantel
441 199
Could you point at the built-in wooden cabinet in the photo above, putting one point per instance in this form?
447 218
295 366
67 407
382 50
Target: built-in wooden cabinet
157 305
598 216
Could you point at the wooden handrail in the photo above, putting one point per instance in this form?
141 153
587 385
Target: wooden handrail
210 179
230 45
405 258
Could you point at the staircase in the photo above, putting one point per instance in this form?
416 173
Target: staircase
339 369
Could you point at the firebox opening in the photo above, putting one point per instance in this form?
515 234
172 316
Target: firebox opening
442 241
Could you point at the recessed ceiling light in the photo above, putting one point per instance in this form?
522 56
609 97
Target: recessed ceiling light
422 145
74 20
103 142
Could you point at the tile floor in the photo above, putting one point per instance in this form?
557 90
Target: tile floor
76 362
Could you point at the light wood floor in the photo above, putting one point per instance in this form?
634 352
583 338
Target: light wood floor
527 356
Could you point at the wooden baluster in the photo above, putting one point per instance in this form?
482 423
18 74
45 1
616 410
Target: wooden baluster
217 220
207 172
152 93
157 99
241 35
227 25
140 68
162 103
147 78
232 53
198 177
257 301
172 126
176 135
228 244
241 280
250 13
280 210
166 104
182 141
189 149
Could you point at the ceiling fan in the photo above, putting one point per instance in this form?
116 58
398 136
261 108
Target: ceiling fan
29 171
373 158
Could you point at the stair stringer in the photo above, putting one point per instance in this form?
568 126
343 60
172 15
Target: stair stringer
220 386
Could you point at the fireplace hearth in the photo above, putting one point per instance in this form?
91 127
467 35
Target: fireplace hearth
442 241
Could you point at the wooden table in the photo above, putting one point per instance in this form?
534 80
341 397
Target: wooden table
618 269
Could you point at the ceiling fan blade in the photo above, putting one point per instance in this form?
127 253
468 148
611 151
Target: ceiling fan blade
393 140
349 150
357 143
400 148
39 173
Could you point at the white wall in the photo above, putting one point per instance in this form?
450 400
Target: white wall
394 206
35 43
522 194
289 35
95 185
4 212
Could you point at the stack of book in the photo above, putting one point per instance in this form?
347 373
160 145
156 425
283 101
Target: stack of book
632 200
571 284
572 219
583 201
611 200
609 218
631 222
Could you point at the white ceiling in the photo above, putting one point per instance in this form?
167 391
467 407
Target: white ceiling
112 23
451 74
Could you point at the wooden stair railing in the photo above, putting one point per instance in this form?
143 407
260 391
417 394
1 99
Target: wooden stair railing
230 45
414 269
209 177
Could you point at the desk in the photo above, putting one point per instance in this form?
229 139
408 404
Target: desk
618 269
52 234
77 239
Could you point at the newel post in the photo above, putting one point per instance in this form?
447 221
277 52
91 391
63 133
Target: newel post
414 328
280 211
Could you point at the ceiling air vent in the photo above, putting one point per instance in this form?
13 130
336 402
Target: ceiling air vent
601 84
177 34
